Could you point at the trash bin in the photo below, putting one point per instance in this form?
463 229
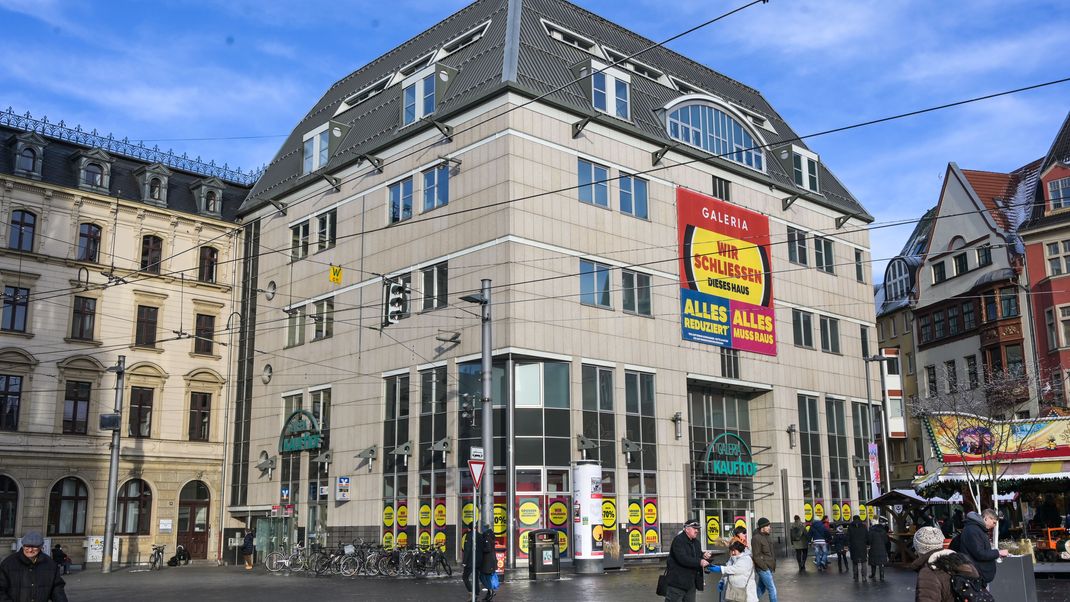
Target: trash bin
544 562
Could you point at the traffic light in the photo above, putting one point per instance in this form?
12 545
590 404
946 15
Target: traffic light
397 299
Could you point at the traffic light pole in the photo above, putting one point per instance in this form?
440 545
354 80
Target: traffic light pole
488 410
113 470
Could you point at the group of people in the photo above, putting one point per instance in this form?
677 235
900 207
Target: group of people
745 577
30 574
865 545
969 562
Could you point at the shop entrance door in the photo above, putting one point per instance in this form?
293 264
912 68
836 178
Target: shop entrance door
193 506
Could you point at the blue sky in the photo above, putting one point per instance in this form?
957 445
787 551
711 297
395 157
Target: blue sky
186 74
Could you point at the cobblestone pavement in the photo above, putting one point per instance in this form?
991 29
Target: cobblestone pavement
233 584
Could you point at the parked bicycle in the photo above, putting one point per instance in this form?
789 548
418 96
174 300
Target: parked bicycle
156 558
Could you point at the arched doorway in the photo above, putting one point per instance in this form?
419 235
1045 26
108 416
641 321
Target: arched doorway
193 504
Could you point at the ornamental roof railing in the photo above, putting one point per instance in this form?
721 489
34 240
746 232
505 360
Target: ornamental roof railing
126 148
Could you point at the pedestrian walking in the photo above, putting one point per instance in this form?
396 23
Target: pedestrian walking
27 575
470 565
819 537
684 572
764 556
489 563
63 561
936 566
879 543
739 583
975 544
839 546
248 547
858 544
798 542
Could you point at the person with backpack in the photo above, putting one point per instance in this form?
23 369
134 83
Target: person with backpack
974 543
944 575
879 542
820 536
470 570
839 545
488 566
858 544
798 542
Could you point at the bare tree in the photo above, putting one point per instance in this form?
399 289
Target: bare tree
987 423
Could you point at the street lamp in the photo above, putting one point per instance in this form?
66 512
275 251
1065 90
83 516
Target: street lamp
115 423
887 485
483 300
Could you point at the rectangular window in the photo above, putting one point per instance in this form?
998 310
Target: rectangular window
926 333
323 318
1008 302
906 322
722 189
830 335
635 289
204 339
607 84
995 361
437 187
823 257
984 256
802 327
797 246
85 314
400 200
295 326
729 362
594 284
939 275
593 183
805 170
938 324
1064 323
326 230
633 199
436 286
76 407
969 316
953 326
862 423
810 449
951 373
597 388
1059 193
891 327
10 400
990 306
971 371
860 271
200 415
145 333
839 464
962 265
1015 360
892 363
140 425
151 254
865 341
206 266
299 241
1052 331
316 150
910 362
418 99
930 381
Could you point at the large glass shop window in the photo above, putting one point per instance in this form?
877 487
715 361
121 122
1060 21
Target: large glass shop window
395 515
643 516
723 466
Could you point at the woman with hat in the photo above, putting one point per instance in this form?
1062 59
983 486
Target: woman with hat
935 566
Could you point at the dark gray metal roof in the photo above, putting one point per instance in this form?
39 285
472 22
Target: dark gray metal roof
57 169
543 64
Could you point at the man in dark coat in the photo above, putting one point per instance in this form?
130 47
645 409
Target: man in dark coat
858 543
471 566
878 549
248 547
30 576
685 565
820 537
764 556
975 544
489 563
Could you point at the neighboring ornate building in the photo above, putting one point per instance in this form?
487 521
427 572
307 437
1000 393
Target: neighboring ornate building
110 249
633 224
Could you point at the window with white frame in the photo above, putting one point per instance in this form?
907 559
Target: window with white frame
1053 333
804 168
939 272
299 241
611 91
436 187
633 200
295 327
802 328
418 99
1064 325
323 318
435 286
984 255
962 264
635 289
326 230
594 284
823 257
797 252
1059 193
722 189
830 335
860 270
1058 255
400 194
593 183
702 125
896 280
316 144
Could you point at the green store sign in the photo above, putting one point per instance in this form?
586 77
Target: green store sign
300 432
725 457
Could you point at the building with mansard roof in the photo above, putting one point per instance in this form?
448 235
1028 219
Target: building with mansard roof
679 291
111 249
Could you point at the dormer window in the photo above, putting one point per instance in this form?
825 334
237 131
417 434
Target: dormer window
804 168
611 91
211 202
154 189
1059 193
29 154
419 99
152 181
316 150
700 123
93 175
93 168
208 193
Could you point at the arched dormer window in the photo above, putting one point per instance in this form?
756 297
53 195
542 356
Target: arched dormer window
93 175
700 123
897 281
27 160
154 189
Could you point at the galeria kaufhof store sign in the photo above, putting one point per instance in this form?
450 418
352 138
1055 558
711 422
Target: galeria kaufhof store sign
726 293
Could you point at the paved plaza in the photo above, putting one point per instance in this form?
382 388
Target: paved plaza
233 584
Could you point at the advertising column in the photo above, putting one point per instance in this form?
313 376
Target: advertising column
587 526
